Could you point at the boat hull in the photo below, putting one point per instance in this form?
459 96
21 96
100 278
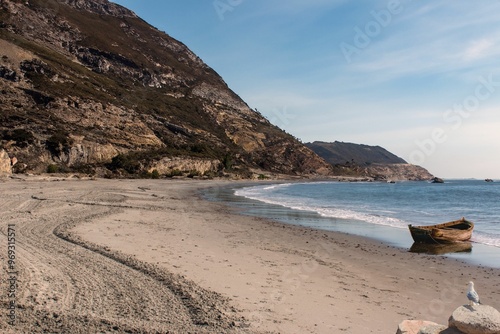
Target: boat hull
458 230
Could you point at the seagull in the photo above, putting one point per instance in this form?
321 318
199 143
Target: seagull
472 295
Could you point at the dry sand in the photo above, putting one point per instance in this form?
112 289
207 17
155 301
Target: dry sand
144 256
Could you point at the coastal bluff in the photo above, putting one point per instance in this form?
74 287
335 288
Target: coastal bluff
374 162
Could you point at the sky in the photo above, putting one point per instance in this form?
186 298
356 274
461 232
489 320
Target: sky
419 78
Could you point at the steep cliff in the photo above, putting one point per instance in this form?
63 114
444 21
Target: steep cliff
89 86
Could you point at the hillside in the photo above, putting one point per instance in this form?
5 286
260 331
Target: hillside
88 86
362 155
370 161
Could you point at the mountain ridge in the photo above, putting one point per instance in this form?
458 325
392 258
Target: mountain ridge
341 152
125 103
374 162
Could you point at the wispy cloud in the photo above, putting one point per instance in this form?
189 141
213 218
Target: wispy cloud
479 49
421 42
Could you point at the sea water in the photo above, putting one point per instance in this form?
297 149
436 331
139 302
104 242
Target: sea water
382 210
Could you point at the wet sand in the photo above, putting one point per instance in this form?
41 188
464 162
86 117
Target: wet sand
149 255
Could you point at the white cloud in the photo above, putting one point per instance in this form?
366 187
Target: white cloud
478 49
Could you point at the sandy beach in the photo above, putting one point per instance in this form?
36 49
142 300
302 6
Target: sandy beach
150 256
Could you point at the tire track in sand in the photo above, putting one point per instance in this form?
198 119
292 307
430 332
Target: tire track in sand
67 285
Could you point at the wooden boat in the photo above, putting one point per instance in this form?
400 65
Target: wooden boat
458 230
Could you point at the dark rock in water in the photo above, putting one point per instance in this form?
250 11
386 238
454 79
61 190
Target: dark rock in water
437 180
477 319
488 180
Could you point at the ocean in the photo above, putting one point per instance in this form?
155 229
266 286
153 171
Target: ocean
380 210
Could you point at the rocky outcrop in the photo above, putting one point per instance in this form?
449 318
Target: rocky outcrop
85 153
413 326
5 164
438 329
374 162
437 180
100 7
397 172
477 319
424 327
169 166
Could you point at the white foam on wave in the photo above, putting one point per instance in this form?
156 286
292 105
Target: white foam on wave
365 217
274 186
266 194
259 190
263 194
486 239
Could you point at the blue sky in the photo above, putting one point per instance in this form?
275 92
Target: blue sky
421 79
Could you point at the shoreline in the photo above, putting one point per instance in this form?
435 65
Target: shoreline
269 276
481 255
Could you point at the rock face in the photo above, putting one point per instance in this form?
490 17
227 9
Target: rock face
397 172
478 319
5 164
84 82
168 166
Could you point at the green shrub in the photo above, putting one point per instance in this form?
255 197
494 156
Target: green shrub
155 174
175 172
59 142
227 162
52 169
22 137
193 173
127 162
83 169
209 174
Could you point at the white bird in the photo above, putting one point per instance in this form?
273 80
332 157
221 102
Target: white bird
472 295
